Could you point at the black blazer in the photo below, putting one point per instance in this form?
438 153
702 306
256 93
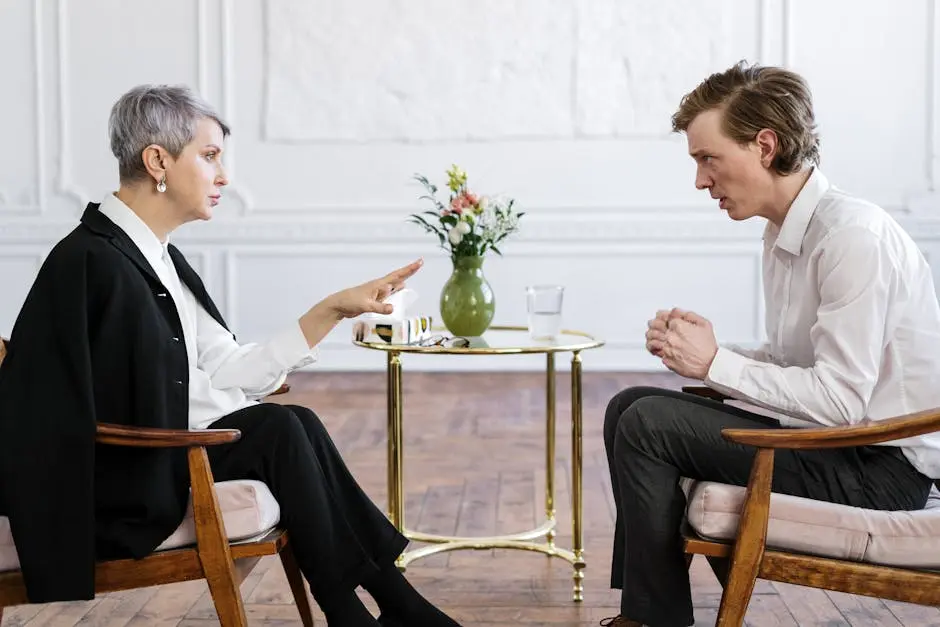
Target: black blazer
98 340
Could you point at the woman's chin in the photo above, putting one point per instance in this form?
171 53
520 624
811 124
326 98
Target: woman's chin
205 213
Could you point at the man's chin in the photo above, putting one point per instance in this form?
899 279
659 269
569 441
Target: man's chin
735 215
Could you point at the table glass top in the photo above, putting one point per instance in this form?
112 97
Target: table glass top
497 340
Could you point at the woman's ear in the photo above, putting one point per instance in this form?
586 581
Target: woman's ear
768 144
155 158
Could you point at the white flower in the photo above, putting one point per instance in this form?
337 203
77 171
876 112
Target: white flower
454 235
463 227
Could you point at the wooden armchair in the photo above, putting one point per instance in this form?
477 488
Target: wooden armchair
900 567
222 562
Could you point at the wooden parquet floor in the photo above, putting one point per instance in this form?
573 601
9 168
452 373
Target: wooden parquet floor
474 465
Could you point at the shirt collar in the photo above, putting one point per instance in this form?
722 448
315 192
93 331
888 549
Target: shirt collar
789 236
135 228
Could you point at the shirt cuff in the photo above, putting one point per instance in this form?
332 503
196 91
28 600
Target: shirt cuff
725 372
289 348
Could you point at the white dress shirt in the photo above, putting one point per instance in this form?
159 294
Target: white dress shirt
852 321
224 376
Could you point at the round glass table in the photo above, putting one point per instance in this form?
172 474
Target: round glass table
497 340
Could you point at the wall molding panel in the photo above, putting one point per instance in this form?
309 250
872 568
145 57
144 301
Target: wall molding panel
65 186
927 202
933 108
35 50
255 309
40 95
202 57
228 109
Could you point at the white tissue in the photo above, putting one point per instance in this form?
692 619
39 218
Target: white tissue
402 326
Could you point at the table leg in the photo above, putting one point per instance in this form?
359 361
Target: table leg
396 493
550 445
576 466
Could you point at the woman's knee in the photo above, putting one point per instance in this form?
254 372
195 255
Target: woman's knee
281 420
310 422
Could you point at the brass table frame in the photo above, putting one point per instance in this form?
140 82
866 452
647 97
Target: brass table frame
523 540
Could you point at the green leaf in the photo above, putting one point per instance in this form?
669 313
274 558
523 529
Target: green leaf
431 198
431 187
423 222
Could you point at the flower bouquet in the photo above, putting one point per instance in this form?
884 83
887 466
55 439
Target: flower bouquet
467 226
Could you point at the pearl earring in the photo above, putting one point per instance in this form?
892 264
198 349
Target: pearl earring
161 186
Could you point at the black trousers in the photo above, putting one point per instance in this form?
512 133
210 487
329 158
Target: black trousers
655 436
338 535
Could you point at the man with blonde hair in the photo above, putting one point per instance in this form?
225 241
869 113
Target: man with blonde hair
853 328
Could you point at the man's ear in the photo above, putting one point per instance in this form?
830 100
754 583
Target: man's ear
155 159
768 144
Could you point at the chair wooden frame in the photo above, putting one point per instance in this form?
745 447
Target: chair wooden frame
224 565
750 559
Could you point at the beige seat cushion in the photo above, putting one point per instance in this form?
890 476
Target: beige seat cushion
910 539
248 510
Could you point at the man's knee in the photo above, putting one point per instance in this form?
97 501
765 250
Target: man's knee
646 420
619 405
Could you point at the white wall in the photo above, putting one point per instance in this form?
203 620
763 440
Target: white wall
562 104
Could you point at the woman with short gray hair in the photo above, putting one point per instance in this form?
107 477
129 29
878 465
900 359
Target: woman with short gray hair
119 328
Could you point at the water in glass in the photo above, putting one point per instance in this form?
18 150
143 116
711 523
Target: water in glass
544 308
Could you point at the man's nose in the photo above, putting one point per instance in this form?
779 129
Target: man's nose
702 180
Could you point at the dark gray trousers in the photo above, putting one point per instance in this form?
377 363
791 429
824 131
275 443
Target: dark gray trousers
655 436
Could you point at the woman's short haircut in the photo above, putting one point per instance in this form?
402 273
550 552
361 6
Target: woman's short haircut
165 115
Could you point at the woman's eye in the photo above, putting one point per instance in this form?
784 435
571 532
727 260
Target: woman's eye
210 156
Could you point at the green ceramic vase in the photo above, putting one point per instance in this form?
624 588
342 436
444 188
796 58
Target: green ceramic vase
467 300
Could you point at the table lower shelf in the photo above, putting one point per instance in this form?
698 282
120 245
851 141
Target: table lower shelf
523 540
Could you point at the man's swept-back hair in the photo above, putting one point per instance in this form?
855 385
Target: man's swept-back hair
753 98
165 115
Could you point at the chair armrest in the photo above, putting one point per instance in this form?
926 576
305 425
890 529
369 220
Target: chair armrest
211 540
148 437
284 389
866 434
705 392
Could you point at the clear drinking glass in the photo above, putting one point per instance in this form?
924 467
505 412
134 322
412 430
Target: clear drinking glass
543 303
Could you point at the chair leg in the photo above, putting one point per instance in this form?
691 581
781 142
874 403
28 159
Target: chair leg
297 586
749 546
213 548
223 585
